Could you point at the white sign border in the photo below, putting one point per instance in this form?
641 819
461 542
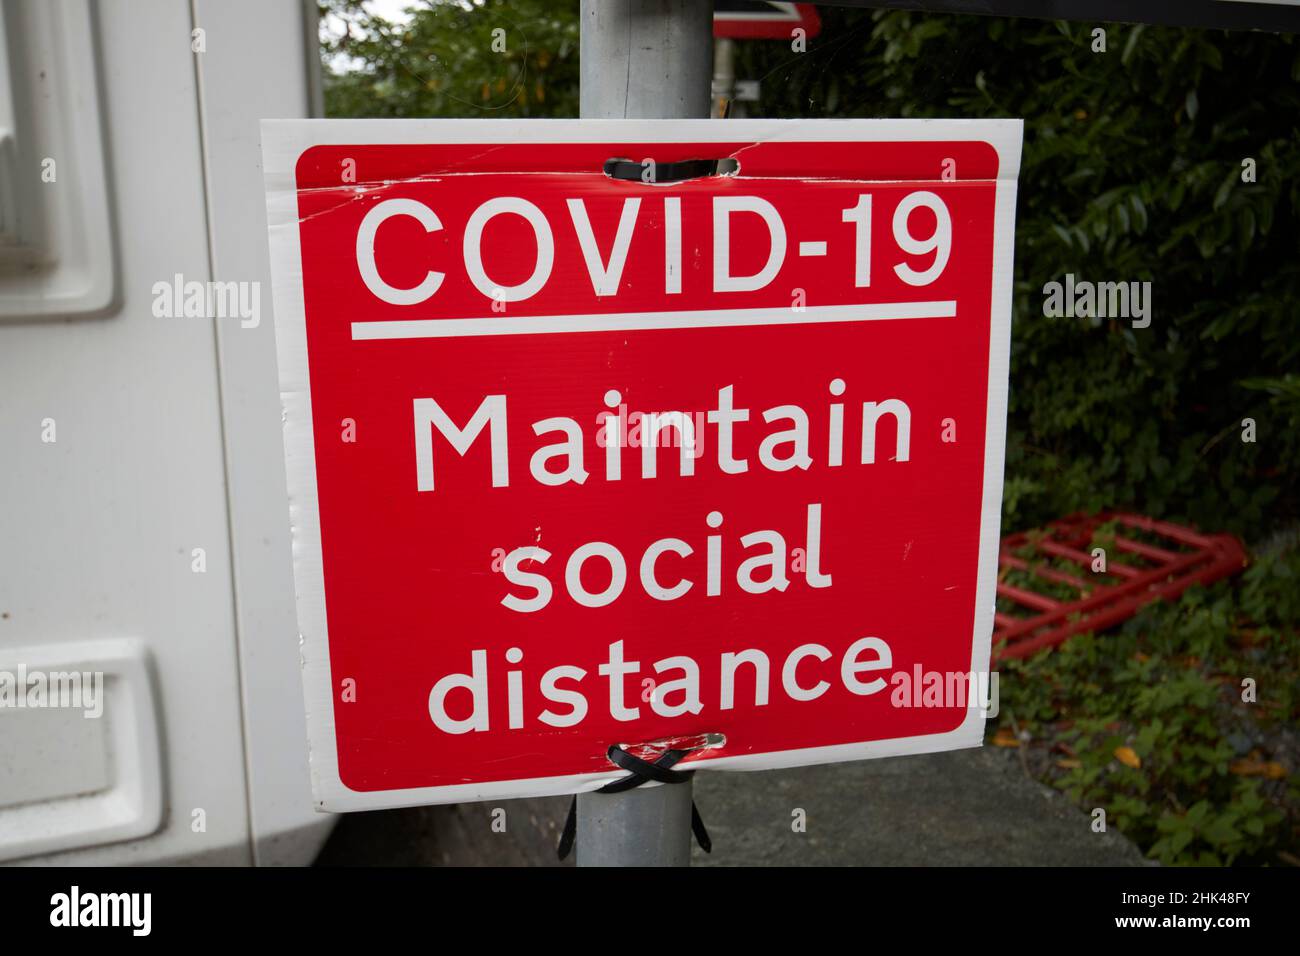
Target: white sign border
284 141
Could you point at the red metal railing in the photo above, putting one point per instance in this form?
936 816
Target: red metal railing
1137 572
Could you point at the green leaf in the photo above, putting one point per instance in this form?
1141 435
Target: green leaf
1130 44
1225 189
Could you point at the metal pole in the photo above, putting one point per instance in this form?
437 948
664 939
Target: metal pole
646 59
642 59
724 75
648 826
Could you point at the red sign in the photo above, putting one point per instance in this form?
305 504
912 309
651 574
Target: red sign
764 20
578 459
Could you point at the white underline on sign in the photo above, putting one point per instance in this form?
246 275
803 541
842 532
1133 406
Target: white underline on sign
631 321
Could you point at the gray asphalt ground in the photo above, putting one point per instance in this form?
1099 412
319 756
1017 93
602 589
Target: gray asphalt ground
968 807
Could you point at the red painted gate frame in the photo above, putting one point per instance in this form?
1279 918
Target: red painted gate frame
1102 605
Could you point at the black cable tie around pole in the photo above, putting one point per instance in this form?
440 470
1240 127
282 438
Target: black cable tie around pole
640 772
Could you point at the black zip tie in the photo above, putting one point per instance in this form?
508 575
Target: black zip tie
642 771
666 173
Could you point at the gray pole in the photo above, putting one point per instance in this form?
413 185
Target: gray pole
646 59
648 826
724 76
642 59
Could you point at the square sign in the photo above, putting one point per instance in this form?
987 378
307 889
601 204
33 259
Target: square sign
764 20
614 432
